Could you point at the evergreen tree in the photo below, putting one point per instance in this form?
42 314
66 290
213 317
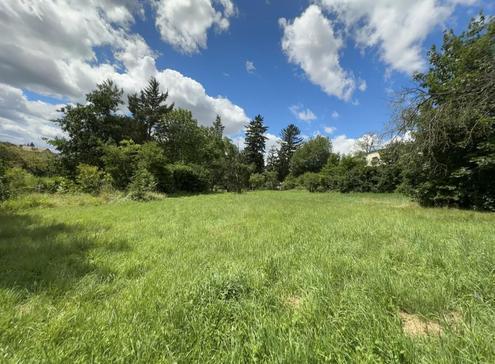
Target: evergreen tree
291 141
87 127
255 143
451 118
218 127
272 159
149 106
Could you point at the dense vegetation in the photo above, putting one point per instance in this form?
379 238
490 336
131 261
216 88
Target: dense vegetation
262 276
444 154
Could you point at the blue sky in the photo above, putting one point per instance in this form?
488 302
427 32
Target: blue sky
338 83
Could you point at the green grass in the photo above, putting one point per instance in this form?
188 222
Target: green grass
265 276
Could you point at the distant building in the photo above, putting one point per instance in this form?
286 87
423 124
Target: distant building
373 158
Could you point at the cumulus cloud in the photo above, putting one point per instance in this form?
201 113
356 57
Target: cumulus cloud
185 23
398 28
302 114
335 115
329 129
250 67
310 42
53 53
22 120
344 145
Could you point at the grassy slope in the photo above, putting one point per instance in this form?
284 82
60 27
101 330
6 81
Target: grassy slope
273 276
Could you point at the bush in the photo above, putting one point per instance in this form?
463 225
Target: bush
271 180
19 181
4 190
142 185
189 178
49 184
122 161
90 179
311 156
291 182
313 182
257 181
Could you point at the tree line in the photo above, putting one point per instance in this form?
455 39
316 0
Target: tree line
447 159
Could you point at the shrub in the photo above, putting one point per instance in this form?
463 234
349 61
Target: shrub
313 182
142 185
19 181
122 161
271 180
189 178
292 182
90 179
257 181
311 156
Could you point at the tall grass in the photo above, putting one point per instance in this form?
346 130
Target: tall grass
263 276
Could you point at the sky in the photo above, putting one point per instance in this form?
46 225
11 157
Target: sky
332 67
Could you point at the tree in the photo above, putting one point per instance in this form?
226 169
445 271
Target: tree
88 127
236 172
311 156
291 141
451 117
149 106
368 143
218 128
255 143
272 159
182 139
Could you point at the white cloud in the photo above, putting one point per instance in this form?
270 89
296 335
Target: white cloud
185 23
335 115
398 28
362 85
24 121
302 114
53 53
329 129
250 67
272 141
344 145
310 42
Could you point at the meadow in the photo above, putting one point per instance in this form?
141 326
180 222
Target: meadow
262 276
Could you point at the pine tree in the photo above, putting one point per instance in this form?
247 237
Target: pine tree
255 143
218 127
149 106
291 141
272 160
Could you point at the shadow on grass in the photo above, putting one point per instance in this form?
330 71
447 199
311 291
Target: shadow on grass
37 255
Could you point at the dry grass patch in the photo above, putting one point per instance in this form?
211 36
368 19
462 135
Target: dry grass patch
414 326
294 301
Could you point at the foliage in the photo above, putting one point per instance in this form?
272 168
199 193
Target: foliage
312 181
149 107
236 173
190 178
19 181
39 162
257 181
90 179
254 151
451 117
271 180
122 162
291 141
88 127
311 156
182 139
4 186
142 185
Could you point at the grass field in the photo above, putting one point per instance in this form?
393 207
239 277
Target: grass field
264 276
